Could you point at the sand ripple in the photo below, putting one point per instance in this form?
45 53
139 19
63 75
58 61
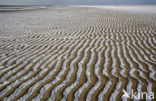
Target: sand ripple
76 53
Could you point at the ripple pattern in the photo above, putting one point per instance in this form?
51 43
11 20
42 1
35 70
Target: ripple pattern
76 54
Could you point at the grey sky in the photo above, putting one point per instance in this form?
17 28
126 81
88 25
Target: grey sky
77 2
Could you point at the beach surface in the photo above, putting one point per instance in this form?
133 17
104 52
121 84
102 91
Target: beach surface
77 53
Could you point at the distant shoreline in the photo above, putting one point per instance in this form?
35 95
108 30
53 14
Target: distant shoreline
20 8
67 5
136 8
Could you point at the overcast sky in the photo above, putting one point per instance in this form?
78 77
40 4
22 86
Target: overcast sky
77 2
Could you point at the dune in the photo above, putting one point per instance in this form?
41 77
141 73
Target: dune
77 53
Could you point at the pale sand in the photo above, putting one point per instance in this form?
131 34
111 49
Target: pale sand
80 53
143 8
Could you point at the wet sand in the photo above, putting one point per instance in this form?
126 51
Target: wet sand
81 53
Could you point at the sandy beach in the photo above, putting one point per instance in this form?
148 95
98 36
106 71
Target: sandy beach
77 53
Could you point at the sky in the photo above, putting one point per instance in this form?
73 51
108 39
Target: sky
77 2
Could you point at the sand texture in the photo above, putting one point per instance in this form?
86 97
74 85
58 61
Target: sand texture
76 53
